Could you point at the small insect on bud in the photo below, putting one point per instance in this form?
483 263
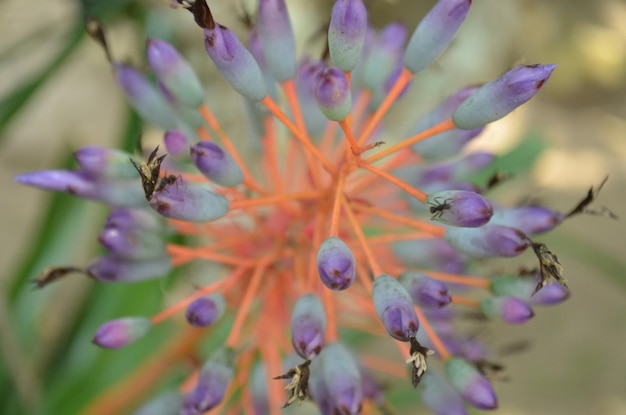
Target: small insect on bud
425 291
308 324
394 308
549 267
459 208
488 241
419 354
332 93
346 33
474 388
336 264
119 333
205 311
299 385
149 172
511 310
215 164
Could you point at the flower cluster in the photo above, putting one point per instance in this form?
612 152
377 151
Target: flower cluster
328 230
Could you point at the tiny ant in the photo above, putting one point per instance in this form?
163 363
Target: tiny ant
166 181
437 209
149 172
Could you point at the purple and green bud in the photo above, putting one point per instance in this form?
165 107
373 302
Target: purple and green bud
118 333
496 99
119 193
132 244
277 39
308 325
346 33
314 119
336 375
332 92
145 98
167 403
139 219
205 311
176 143
511 310
215 164
234 62
434 33
459 208
430 253
472 386
109 269
425 291
394 308
336 264
382 57
523 287
532 220
213 381
488 241
175 73
101 162
188 202
440 397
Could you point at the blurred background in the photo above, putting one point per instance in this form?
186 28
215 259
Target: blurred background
57 93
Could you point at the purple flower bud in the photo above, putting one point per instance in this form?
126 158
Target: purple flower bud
118 333
105 162
314 119
167 403
474 388
430 253
439 396
234 62
336 375
176 143
532 220
336 264
511 310
523 287
215 164
308 325
472 163
384 54
332 93
121 193
449 143
459 208
213 381
425 291
175 73
551 294
145 97
128 243
279 45
434 33
496 99
108 269
346 33
488 241
140 219
372 390
188 202
205 311
394 307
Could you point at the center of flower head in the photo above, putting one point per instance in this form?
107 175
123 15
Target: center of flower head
340 233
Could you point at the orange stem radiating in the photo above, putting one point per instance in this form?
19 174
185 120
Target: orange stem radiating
371 259
477 282
334 222
383 365
417 194
318 231
331 314
190 382
179 251
360 107
402 81
440 348
354 146
468 302
437 129
271 152
273 200
433 230
397 237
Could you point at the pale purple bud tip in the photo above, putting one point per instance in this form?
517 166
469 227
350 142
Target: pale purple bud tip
440 397
141 219
336 378
532 220
175 73
496 99
488 241
132 243
314 119
235 63
145 98
176 143
215 164
308 324
105 162
332 93
188 202
213 381
434 33
511 310
459 208
523 287
119 333
205 311
425 291
108 269
346 33
276 34
550 294
474 388
429 253
336 264
167 403
394 307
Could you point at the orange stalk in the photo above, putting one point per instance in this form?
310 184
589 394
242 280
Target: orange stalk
468 302
354 146
371 259
331 315
383 365
270 153
459 279
417 194
433 230
334 222
360 107
203 253
273 200
440 348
